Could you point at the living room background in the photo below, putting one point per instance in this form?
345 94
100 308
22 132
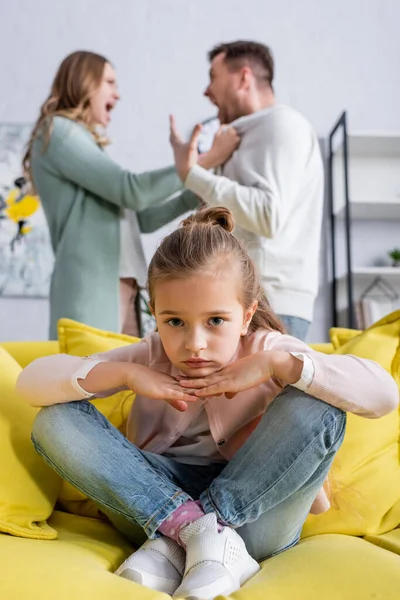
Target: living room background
329 57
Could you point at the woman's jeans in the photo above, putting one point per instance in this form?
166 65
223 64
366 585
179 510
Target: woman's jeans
265 491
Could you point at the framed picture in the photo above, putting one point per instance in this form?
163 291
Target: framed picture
26 257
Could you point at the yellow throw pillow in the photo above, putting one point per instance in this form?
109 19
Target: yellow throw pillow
380 343
340 336
78 339
365 475
26 352
324 347
28 487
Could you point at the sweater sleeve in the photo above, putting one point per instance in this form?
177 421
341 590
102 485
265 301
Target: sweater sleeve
154 217
73 154
276 166
353 384
55 379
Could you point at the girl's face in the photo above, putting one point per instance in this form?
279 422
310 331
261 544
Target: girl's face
105 97
200 320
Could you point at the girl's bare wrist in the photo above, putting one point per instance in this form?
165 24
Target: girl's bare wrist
286 367
105 376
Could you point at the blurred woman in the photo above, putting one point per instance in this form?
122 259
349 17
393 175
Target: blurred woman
83 192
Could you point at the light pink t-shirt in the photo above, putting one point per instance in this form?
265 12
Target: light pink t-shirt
196 446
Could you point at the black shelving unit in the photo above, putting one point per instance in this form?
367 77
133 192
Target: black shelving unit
340 128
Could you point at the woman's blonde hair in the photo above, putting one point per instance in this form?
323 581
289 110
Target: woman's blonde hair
203 239
77 78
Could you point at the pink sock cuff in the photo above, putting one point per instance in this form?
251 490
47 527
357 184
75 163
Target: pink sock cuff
181 517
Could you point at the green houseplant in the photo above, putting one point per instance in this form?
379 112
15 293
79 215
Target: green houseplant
395 256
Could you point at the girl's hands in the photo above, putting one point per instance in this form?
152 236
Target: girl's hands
247 373
241 375
158 386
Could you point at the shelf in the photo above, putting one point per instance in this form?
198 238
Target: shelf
392 273
374 211
373 194
378 143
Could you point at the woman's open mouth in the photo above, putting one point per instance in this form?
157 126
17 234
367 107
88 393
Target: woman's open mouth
109 107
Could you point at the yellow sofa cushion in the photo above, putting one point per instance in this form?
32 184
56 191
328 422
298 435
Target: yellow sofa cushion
81 562
25 352
366 472
28 487
78 339
324 347
341 335
389 541
78 565
328 567
380 342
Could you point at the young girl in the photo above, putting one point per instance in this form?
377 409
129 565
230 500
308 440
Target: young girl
233 430
84 194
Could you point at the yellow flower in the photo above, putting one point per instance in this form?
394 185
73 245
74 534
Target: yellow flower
26 229
20 209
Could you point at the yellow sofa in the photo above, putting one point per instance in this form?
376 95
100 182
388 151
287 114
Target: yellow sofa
64 551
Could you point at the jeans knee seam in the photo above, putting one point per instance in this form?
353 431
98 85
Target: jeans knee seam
63 476
244 509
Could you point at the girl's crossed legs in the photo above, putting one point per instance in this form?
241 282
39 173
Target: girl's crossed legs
265 492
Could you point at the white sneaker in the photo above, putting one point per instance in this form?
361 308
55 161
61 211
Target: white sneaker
158 564
216 563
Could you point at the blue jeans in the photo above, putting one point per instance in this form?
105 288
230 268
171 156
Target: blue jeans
295 326
265 491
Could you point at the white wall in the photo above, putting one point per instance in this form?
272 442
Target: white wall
329 56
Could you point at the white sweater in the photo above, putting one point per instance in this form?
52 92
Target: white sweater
273 184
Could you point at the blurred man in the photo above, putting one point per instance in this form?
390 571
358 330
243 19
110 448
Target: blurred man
273 183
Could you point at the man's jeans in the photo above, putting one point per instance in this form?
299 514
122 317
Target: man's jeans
265 491
295 326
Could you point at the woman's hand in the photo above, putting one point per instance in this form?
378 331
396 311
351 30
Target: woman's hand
247 373
158 386
185 153
224 145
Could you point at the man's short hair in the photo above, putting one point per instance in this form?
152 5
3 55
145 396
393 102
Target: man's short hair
240 53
